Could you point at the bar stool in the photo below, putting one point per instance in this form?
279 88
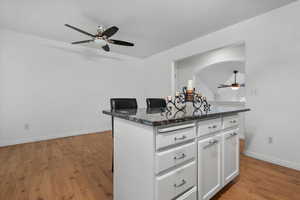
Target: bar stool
156 103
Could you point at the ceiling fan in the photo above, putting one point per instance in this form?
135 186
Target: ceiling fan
102 37
235 85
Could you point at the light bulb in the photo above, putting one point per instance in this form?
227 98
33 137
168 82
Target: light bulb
190 85
235 88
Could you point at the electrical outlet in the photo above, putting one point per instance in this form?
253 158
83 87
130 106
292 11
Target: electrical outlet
26 127
270 140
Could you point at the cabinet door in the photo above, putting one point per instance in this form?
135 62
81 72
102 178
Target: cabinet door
209 167
231 155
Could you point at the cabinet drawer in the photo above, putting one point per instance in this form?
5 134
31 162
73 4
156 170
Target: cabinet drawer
230 121
176 182
189 195
175 135
175 156
209 126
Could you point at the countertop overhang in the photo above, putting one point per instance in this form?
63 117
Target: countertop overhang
159 117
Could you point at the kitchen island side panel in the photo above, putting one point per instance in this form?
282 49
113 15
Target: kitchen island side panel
134 149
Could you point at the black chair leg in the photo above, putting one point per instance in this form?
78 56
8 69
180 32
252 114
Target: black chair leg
112 134
112 166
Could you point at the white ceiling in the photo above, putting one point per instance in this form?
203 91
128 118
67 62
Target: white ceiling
154 25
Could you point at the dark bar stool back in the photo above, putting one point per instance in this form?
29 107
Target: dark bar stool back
156 103
123 104
120 104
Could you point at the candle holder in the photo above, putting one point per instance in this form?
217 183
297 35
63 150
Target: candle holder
181 99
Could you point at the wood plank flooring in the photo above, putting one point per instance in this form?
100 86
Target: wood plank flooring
79 168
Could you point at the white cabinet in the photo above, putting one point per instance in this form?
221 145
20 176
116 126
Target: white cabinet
175 161
161 163
230 155
176 182
209 126
209 166
218 158
230 121
175 135
175 156
189 195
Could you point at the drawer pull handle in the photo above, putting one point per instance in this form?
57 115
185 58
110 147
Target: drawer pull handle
180 157
214 126
183 182
232 135
180 138
172 129
233 121
211 143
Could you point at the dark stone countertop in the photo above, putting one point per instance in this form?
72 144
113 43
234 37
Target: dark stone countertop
158 117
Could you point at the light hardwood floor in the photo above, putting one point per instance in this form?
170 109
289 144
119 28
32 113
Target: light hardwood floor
79 168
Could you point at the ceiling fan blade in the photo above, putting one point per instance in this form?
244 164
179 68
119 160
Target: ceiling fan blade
243 85
110 31
120 42
106 48
83 41
224 86
79 30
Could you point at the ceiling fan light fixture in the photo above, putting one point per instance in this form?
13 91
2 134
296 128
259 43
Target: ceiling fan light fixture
100 42
235 87
101 38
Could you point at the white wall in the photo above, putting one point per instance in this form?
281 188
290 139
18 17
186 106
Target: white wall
58 89
197 62
209 69
203 88
272 67
1 88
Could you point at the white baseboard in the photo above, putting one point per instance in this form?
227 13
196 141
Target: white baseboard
276 161
10 142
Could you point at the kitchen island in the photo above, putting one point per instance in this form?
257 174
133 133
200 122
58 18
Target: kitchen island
163 155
